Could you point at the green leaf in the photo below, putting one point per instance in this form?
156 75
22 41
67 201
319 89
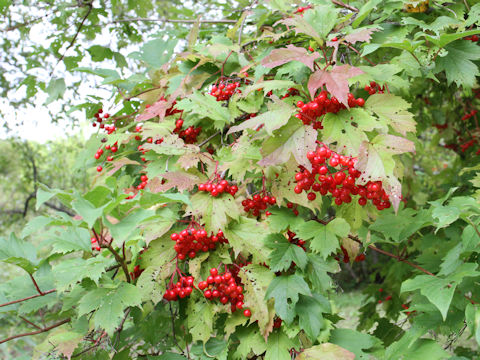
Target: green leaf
18 252
284 253
250 340
282 218
70 271
458 65
155 52
347 129
70 238
203 312
278 114
392 110
100 53
326 351
87 210
214 211
318 270
324 238
309 310
128 225
44 194
472 317
438 291
56 88
206 106
268 86
278 346
353 341
285 290
109 303
402 225
247 236
256 279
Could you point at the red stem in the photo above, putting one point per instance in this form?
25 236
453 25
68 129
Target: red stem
36 332
28 298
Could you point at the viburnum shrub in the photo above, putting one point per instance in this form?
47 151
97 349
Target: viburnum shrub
258 174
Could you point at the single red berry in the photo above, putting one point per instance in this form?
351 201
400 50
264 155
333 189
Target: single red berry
247 313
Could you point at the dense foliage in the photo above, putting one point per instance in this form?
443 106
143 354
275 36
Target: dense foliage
235 180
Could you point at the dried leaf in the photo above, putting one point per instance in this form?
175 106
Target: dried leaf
364 35
181 180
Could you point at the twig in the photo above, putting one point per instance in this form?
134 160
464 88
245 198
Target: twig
90 7
36 285
141 92
29 322
173 328
241 30
339 3
120 327
398 258
120 261
28 298
181 21
45 329
209 138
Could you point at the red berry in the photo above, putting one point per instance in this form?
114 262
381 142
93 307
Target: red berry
247 313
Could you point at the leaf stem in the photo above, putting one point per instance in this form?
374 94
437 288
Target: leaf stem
42 330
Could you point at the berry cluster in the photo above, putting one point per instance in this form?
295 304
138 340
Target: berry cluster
322 104
100 121
112 148
224 90
293 207
469 115
226 288
473 38
143 183
346 257
181 289
290 92
217 187
374 88
189 135
189 241
292 237
136 272
258 203
340 183
95 244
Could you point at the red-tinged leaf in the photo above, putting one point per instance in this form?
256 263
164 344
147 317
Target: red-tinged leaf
292 139
190 160
157 109
336 81
281 56
182 181
375 161
117 164
364 35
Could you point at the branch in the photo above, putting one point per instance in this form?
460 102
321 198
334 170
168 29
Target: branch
339 3
28 298
29 322
398 258
36 285
181 21
374 248
45 329
90 7
120 327
141 92
120 260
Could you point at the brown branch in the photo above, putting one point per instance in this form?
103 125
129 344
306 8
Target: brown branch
120 327
342 4
29 322
120 260
36 285
42 330
72 42
181 21
140 93
398 258
28 298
